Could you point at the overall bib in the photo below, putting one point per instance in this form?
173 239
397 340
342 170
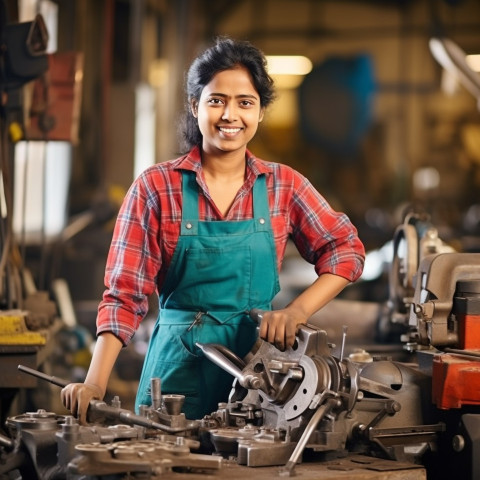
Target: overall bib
219 271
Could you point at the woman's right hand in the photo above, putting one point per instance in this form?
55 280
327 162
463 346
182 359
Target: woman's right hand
76 398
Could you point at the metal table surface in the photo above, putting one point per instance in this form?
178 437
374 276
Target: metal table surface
354 467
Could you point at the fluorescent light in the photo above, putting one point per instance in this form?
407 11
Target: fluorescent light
288 65
42 178
144 149
474 62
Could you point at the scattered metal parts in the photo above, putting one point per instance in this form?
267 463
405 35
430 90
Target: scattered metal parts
154 457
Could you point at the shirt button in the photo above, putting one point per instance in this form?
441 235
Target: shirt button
262 221
189 225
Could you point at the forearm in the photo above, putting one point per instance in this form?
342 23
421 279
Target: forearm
106 351
318 294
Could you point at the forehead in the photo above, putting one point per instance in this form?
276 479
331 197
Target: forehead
234 81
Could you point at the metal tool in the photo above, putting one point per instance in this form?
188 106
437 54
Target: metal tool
98 410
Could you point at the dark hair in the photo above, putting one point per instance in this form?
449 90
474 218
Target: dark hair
225 54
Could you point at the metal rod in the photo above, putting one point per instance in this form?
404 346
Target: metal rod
156 390
60 382
464 353
344 336
213 352
288 469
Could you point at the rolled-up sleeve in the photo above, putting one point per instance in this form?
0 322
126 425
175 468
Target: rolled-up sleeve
324 237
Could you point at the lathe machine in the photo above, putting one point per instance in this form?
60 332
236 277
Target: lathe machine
292 412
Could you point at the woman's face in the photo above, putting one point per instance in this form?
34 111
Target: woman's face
228 111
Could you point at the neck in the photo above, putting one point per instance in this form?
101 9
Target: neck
227 166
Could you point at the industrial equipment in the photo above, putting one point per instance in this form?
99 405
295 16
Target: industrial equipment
300 408
281 403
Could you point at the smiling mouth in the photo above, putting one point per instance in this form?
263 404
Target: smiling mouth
229 131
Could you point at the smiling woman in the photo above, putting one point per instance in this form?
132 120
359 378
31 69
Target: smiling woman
228 114
207 232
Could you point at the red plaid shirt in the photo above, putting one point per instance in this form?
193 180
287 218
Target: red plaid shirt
148 225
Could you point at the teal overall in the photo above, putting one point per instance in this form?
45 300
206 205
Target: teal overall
219 271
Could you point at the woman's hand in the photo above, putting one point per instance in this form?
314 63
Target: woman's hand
76 398
279 327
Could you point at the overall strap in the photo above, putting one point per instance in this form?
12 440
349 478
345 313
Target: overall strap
189 203
261 212
190 220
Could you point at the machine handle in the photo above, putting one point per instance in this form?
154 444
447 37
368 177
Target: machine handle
99 407
60 382
216 354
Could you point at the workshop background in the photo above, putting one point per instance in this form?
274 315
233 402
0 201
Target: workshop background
376 123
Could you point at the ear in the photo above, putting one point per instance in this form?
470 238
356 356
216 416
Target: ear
262 113
194 107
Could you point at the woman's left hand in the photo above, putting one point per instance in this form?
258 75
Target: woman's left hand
279 327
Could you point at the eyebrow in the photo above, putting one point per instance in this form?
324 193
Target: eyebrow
244 95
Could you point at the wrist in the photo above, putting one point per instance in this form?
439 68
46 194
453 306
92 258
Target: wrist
97 390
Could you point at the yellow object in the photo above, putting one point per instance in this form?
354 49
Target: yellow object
15 131
14 331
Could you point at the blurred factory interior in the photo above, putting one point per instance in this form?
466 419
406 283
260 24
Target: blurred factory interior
377 122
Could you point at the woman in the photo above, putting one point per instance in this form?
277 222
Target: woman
207 232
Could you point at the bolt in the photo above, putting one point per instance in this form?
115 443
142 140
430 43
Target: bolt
458 443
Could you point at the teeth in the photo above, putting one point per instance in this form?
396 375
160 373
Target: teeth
229 130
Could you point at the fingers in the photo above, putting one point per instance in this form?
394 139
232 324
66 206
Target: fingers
278 329
68 397
76 398
82 408
279 337
290 334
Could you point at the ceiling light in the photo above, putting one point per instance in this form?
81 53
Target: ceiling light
474 62
288 65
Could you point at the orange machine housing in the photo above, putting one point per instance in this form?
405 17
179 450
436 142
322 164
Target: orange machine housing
455 381
456 376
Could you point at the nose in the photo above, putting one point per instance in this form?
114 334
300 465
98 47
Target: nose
229 112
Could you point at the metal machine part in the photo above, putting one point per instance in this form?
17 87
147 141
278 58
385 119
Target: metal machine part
99 411
152 457
445 317
436 283
413 240
304 397
440 298
45 446
281 404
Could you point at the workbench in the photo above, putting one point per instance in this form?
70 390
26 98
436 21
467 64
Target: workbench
31 355
353 467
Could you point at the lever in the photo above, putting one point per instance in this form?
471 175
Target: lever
100 407
215 353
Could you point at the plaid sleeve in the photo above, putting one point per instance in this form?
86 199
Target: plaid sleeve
324 237
132 264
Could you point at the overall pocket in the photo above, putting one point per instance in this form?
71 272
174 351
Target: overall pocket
224 276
